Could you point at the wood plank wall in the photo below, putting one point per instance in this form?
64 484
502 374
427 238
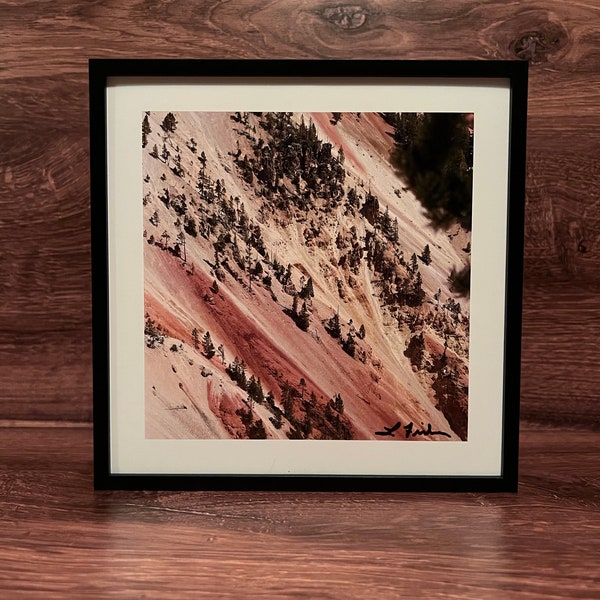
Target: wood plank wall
45 299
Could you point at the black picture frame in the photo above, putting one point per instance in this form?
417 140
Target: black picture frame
109 78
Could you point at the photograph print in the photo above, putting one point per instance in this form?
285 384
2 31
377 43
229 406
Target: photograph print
306 275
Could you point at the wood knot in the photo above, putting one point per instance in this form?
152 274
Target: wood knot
346 16
536 46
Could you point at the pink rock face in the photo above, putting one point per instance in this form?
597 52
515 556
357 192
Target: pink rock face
274 307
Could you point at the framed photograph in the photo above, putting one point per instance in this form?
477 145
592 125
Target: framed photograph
307 275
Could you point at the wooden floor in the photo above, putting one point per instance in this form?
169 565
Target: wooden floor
60 539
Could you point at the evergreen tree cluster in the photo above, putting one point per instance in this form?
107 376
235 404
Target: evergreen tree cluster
299 314
337 404
311 418
153 333
426 255
381 221
348 343
333 327
255 391
415 350
293 153
237 371
305 415
255 428
401 282
169 123
224 220
434 153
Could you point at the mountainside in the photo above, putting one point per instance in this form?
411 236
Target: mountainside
293 286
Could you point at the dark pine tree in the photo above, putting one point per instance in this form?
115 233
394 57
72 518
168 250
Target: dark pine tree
169 124
349 345
370 209
303 318
308 291
146 130
426 255
207 345
333 326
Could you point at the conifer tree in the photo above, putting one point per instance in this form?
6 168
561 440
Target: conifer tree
165 153
176 168
146 130
181 241
248 264
169 124
349 345
370 209
207 345
258 270
190 226
302 387
237 371
385 222
255 391
415 350
337 403
418 294
333 326
307 290
426 255
413 263
303 318
394 236
352 197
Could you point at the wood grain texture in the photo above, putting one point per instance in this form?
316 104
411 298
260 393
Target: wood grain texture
45 315
561 346
59 539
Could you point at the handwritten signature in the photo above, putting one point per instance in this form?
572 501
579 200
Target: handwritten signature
410 430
